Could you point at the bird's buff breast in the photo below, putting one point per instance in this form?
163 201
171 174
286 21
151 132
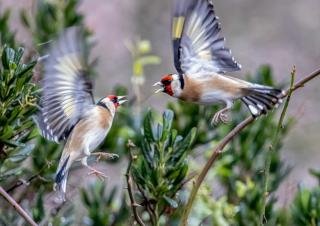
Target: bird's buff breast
91 131
97 134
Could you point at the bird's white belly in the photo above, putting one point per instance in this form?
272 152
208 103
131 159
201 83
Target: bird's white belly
95 137
212 97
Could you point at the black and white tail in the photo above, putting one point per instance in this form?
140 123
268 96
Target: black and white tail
61 177
261 99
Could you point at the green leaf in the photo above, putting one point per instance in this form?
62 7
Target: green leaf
24 18
18 55
26 68
85 197
147 125
170 201
167 124
21 154
146 152
10 173
8 57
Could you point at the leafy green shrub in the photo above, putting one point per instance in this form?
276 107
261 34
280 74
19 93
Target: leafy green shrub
18 97
161 166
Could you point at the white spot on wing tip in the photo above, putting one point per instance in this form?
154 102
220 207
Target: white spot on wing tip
253 110
260 106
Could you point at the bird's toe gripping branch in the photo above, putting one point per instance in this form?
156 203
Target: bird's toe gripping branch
105 155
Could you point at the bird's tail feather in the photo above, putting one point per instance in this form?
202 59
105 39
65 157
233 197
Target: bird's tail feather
61 177
261 99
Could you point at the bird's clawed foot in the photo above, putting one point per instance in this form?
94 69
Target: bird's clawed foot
105 155
222 116
97 173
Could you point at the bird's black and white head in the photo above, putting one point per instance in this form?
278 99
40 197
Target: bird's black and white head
171 84
112 102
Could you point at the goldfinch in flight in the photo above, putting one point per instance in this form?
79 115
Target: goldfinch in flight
67 109
201 60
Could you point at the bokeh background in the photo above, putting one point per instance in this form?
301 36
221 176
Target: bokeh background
280 33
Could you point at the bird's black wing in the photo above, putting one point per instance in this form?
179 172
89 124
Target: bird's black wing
66 86
198 46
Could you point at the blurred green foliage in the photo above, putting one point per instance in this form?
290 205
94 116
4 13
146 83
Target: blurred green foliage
305 209
102 207
50 19
6 36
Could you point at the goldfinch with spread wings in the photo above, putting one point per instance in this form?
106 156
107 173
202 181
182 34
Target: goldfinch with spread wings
201 60
68 111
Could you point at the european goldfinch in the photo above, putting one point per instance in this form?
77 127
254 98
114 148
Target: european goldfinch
67 108
201 60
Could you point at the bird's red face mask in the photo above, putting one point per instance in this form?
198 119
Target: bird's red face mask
117 100
165 85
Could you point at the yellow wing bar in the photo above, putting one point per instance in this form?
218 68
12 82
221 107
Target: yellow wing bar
177 27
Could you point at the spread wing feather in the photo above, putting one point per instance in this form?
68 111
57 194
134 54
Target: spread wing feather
198 46
66 86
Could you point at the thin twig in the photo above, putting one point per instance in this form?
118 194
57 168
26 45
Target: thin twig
27 182
21 182
134 205
274 143
148 205
17 207
217 151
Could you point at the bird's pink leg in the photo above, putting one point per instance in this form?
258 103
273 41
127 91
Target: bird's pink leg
98 173
222 115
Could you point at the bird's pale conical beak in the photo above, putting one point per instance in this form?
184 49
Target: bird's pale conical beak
159 84
122 99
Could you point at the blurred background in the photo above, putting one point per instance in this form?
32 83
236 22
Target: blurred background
279 33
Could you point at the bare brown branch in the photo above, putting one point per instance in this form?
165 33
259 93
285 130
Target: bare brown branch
17 207
134 205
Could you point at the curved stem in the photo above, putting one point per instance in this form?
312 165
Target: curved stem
17 207
217 151
134 205
274 143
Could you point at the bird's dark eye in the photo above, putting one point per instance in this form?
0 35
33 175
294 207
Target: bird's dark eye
114 100
166 82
